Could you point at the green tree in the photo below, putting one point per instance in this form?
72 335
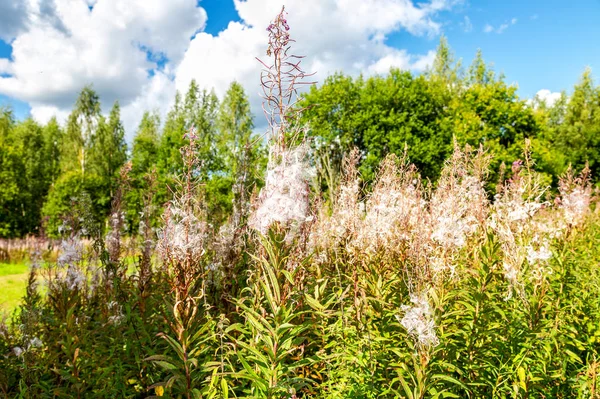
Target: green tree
92 151
241 153
29 159
488 112
550 158
444 67
108 152
30 145
382 115
578 136
169 157
53 137
82 126
11 174
479 73
199 109
145 144
144 156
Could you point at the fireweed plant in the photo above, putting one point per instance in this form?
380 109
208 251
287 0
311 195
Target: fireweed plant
397 289
285 197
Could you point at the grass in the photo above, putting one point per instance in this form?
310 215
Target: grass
13 283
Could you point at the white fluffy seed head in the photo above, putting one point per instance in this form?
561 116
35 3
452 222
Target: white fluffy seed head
184 234
419 322
285 197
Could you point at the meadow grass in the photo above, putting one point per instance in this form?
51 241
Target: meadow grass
13 283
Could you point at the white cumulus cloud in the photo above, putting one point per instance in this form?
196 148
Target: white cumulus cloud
113 46
401 59
5 66
547 96
13 18
140 51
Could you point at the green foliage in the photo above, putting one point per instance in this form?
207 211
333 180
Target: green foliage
72 188
108 151
29 160
272 337
198 109
241 153
382 115
93 151
82 126
574 125
299 324
444 67
391 113
144 156
489 113
424 114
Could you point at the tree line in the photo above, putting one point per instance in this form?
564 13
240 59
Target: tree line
426 113
46 170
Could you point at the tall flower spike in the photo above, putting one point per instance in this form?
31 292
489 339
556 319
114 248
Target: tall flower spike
575 196
279 82
285 196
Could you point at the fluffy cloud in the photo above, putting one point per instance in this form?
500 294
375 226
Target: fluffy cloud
336 35
139 51
113 46
401 59
548 96
5 67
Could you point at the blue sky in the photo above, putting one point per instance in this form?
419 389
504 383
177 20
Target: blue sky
548 46
536 44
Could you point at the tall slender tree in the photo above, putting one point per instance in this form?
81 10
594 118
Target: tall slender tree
29 141
144 156
445 67
82 126
239 150
53 137
11 173
108 151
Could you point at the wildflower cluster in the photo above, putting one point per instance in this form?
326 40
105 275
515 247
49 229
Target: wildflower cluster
575 197
182 239
117 217
70 258
385 288
459 204
398 220
285 196
523 231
